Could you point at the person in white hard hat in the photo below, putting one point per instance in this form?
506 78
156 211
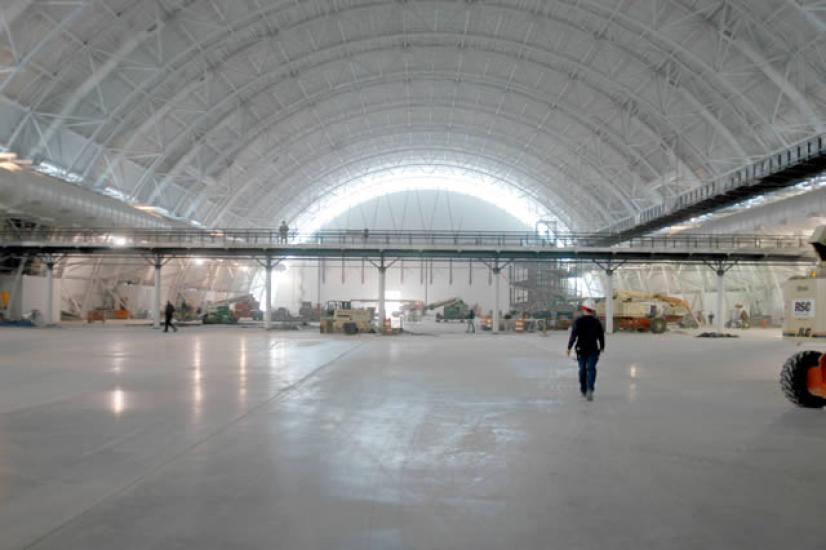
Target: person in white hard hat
588 335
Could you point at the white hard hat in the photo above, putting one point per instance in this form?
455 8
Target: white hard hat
588 305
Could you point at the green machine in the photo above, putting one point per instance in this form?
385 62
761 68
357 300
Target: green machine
454 310
219 315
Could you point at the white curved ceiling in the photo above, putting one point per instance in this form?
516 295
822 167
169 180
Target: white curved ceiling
240 112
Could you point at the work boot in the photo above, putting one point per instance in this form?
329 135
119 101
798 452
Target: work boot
589 396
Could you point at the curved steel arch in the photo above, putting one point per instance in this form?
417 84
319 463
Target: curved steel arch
296 204
396 106
498 6
703 110
404 130
271 124
521 12
574 215
262 85
599 15
302 206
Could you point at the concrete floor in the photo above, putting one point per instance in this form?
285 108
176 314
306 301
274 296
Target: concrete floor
214 437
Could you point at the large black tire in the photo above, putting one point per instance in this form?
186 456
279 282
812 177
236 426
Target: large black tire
793 379
658 325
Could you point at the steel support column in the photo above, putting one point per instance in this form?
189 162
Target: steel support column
268 294
609 301
156 293
721 290
50 293
497 272
382 303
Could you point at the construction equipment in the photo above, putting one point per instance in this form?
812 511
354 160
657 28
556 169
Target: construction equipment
803 377
739 318
185 313
219 315
648 312
341 317
244 306
805 297
560 313
308 313
453 309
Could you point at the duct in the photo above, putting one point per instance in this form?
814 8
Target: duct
52 201
799 214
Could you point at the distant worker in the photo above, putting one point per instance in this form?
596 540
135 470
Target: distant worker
283 232
471 322
711 319
588 335
168 313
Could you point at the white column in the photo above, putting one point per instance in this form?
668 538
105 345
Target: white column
721 291
382 303
495 321
268 294
609 301
156 297
50 290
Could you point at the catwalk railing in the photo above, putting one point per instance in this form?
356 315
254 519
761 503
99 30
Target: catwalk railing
780 170
361 243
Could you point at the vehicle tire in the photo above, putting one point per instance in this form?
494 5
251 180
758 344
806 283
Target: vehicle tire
658 325
794 379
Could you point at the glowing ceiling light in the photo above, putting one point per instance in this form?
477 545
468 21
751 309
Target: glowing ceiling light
118 241
336 201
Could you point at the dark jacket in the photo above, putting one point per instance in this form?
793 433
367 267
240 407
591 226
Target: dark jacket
169 311
588 335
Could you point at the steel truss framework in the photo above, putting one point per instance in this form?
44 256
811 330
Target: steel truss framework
239 113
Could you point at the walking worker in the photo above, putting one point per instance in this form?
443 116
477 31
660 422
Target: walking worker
589 337
471 322
283 231
169 311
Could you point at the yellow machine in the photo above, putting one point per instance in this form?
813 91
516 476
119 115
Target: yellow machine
340 317
648 312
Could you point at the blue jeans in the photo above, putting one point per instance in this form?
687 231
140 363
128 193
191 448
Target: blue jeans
587 371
